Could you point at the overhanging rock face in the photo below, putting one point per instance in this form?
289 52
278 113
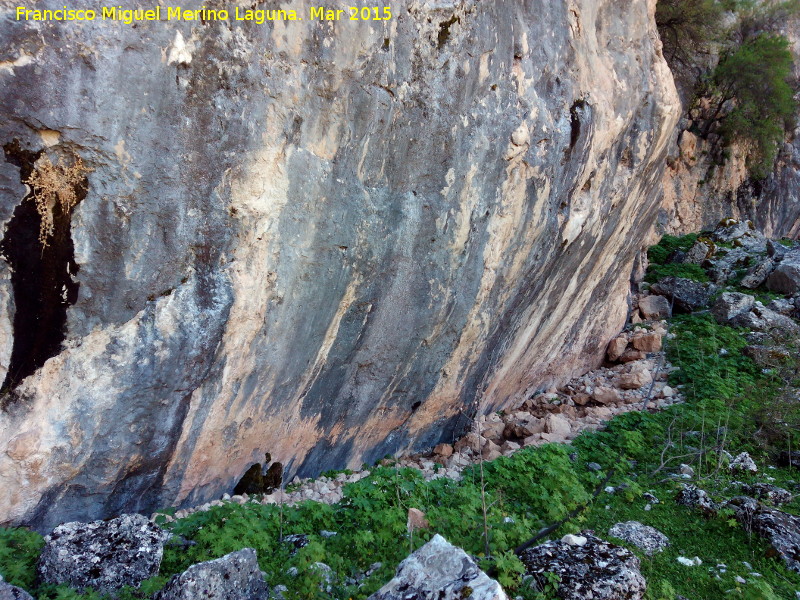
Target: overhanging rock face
323 240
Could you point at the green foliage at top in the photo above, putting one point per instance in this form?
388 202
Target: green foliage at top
755 78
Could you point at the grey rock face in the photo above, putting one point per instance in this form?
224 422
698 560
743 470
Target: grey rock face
440 571
786 276
235 576
686 294
317 241
12 592
730 305
647 538
781 530
596 569
104 555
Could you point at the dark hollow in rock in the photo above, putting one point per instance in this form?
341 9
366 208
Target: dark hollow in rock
235 576
258 481
41 277
104 555
596 569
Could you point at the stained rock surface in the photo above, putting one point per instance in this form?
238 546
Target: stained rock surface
594 569
104 555
235 576
440 571
320 240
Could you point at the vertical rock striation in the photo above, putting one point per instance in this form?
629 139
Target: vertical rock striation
328 241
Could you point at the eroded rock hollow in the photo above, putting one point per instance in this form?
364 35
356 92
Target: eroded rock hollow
328 241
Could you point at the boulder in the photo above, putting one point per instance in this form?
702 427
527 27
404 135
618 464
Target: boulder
770 493
743 462
786 276
235 576
104 555
687 295
781 530
694 497
558 425
12 592
595 569
757 274
636 376
764 319
730 305
471 441
700 251
647 342
655 307
607 395
616 347
440 571
632 355
644 537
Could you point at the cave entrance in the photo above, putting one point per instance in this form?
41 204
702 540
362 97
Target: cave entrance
41 272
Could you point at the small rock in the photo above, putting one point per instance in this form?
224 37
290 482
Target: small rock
558 424
647 538
743 462
690 562
416 520
574 540
694 497
687 470
607 395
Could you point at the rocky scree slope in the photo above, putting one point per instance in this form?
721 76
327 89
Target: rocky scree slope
324 241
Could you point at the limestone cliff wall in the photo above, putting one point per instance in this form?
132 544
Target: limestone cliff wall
328 241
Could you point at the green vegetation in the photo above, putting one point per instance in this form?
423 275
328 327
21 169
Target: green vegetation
733 405
659 254
754 77
745 95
